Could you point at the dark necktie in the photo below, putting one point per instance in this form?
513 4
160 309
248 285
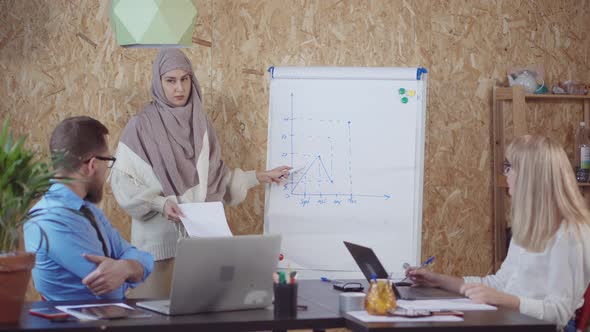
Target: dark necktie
88 214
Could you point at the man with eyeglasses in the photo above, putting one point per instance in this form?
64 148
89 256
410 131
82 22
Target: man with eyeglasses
80 256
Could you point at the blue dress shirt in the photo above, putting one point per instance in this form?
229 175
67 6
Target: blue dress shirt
59 234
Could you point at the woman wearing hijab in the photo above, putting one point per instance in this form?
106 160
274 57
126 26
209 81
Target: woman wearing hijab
169 154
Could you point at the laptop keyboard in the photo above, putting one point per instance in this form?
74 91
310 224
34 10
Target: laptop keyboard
421 292
414 292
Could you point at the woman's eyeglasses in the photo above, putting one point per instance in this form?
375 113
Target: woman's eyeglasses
110 160
507 166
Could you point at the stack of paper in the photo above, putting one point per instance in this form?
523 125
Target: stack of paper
445 305
205 219
429 305
364 316
103 311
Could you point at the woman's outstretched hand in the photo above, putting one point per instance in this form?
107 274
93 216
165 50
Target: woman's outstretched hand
275 175
487 295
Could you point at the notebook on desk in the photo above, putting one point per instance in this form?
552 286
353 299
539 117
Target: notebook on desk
370 265
220 274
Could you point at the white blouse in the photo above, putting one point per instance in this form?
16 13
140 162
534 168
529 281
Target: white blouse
550 284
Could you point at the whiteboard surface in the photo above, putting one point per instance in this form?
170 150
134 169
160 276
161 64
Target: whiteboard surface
359 154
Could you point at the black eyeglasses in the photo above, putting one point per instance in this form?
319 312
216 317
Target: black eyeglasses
111 160
507 166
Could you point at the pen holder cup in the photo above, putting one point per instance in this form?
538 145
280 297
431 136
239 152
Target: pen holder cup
380 298
285 300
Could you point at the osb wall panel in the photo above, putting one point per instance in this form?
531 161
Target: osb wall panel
472 44
296 33
58 59
465 44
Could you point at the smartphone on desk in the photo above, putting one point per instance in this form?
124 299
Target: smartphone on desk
417 313
48 313
410 313
348 287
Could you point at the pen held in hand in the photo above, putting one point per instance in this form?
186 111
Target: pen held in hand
428 261
407 266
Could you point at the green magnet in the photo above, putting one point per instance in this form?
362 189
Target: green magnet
405 100
402 91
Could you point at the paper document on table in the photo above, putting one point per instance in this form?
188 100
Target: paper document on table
364 316
444 305
103 311
205 219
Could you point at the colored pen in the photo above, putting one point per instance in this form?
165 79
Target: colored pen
324 279
428 261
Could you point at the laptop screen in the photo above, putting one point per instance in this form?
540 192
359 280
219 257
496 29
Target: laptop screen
367 261
369 264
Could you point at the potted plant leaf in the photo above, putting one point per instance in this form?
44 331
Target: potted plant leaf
24 177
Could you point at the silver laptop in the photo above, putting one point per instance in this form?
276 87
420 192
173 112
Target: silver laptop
370 265
221 273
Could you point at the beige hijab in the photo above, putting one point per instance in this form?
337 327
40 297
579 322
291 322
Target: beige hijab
170 138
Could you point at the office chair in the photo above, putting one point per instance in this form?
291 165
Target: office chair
583 314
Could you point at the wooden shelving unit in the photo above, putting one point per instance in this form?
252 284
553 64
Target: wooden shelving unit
515 96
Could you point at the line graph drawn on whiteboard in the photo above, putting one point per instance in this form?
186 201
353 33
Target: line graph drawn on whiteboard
320 150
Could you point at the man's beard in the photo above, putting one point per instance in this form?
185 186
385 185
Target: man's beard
94 194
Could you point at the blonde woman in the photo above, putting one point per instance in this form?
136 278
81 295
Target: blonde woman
547 268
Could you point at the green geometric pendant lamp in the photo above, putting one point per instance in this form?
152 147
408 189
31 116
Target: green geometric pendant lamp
153 23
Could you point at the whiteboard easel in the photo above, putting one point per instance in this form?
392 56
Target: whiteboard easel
355 137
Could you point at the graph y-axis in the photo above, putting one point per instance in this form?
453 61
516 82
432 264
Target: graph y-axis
292 139
350 158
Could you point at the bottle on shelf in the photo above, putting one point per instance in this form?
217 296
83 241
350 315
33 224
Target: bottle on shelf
582 153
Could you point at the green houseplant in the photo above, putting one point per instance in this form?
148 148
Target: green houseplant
24 177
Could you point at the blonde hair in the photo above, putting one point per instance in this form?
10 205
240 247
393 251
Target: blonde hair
545 192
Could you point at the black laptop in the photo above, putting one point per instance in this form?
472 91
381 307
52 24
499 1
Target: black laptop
370 265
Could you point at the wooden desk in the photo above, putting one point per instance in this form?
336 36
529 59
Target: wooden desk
322 313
